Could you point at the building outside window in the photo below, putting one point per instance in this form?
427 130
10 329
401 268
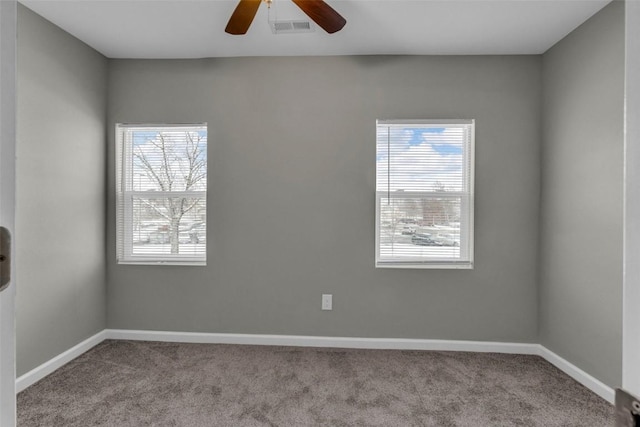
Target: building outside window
424 193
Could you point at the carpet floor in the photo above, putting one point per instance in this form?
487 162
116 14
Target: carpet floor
127 383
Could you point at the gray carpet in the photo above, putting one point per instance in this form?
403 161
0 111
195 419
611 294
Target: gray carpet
126 383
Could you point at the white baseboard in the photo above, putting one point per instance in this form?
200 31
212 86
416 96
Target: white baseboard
573 371
590 382
60 360
315 341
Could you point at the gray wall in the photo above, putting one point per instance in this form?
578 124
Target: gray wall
60 219
291 196
631 291
581 207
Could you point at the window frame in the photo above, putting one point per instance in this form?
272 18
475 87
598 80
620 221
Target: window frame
125 200
466 202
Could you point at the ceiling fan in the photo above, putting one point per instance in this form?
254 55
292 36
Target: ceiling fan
320 12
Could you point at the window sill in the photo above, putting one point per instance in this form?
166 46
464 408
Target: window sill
160 263
424 266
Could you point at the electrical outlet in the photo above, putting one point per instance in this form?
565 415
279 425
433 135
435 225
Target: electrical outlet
327 302
627 409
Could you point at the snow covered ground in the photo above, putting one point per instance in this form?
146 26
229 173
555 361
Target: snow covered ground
410 250
163 249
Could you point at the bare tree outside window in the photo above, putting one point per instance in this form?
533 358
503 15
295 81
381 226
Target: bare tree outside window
171 162
161 197
440 211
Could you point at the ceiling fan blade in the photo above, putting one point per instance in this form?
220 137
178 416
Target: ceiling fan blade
322 14
242 17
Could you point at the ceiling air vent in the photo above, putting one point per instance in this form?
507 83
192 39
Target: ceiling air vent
282 27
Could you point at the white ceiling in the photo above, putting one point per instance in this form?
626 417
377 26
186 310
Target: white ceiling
195 28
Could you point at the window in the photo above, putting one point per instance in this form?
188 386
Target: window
161 194
424 194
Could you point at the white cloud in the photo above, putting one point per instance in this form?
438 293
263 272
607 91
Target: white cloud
420 165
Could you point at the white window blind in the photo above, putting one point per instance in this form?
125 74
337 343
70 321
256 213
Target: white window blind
161 194
424 193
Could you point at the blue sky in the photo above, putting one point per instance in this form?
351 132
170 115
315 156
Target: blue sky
418 136
420 157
